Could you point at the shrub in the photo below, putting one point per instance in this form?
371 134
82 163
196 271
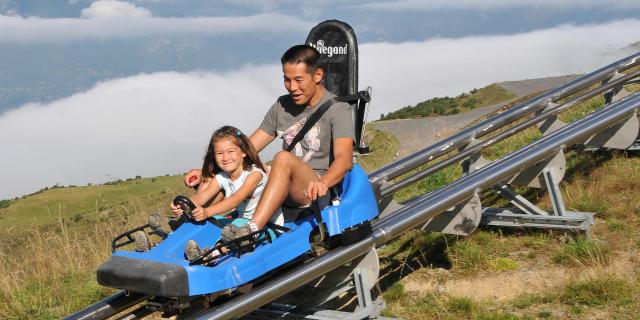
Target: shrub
5 203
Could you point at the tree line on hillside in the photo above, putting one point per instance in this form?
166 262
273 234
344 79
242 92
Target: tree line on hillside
442 106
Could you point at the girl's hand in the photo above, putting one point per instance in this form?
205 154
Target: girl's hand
175 209
199 213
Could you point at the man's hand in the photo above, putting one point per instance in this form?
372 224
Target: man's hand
317 188
193 178
199 213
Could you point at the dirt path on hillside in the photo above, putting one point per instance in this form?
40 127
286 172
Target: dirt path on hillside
416 134
508 285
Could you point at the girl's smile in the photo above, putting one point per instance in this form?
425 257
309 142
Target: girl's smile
229 157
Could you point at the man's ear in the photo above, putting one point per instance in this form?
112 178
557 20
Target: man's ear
317 75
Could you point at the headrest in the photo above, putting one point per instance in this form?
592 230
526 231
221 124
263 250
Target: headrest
337 44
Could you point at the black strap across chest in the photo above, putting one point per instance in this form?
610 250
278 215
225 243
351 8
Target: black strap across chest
310 122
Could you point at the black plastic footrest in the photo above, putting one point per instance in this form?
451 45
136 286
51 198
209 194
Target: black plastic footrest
356 233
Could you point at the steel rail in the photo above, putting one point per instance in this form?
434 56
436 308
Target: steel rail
428 206
404 165
462 155
108 306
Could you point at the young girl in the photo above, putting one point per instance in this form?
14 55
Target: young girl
232 165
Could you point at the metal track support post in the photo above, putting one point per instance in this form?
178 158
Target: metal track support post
554 193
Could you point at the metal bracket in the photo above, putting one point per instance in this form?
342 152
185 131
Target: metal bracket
519 201
507 218
360 275
528 215
533 176
618 92
619 136
461 220
553 123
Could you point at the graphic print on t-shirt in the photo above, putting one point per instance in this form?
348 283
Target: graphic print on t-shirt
310 138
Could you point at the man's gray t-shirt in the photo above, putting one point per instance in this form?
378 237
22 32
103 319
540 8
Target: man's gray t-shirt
285 119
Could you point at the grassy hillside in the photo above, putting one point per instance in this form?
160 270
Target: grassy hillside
52 242
441 106
88 203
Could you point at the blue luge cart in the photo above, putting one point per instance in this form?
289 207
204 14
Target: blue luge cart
164 270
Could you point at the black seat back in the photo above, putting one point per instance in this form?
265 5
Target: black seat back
336 42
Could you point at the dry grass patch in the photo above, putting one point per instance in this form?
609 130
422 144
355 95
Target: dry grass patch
48 271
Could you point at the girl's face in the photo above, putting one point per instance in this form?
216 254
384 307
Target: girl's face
229 157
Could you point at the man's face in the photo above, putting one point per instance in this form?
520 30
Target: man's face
302 85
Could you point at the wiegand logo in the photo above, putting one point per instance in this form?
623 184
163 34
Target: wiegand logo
329 51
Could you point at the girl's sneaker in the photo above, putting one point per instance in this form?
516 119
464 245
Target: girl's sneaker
142 241
231 232
160 225
192 251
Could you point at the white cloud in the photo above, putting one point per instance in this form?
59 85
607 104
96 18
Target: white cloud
112 8
148 125
152 124
125 24
404 5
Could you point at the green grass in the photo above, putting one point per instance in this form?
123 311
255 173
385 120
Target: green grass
428 184
431 306
52 298
582 252
503 264
461 306
88 202
394 293
581 111
598 291
383 146
528 300
474 252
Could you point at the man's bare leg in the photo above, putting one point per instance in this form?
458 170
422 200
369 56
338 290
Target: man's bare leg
289 177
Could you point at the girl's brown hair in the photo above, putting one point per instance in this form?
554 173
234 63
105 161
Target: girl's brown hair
210 167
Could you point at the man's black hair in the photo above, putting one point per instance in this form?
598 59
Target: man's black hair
302 53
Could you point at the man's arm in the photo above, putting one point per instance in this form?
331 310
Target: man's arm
260 139
342 162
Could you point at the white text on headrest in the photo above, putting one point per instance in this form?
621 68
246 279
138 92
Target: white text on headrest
329 51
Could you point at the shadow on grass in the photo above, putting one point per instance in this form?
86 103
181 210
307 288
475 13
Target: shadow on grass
422 251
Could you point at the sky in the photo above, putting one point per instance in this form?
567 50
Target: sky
113 89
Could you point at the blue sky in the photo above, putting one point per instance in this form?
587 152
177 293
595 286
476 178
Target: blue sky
98 90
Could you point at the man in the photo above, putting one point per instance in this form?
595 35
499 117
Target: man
320 160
